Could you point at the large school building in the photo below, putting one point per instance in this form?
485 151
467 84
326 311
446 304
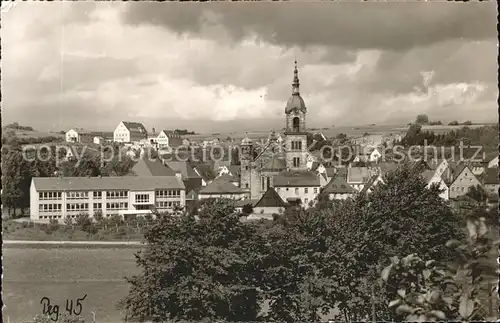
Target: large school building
62 197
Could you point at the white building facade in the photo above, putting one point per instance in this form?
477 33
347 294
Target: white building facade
65 197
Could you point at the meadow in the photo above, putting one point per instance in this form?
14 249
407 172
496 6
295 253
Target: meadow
61 273
65 273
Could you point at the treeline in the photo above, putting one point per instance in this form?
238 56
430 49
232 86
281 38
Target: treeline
19 168
184 132
16 126
9 140
486 136
423 119
304 263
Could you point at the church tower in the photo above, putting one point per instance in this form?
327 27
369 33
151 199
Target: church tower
246 158
295 128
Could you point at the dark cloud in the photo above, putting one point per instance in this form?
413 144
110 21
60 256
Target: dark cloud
396 26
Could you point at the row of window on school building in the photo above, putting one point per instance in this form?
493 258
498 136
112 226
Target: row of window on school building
75 195
55 210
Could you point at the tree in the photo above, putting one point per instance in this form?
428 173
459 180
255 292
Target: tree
467 123
422 119
194 270
478 194
453 123
297 280
12 169
435 290
401 216
247 209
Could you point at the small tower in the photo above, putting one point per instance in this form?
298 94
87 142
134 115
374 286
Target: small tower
246 158
295 127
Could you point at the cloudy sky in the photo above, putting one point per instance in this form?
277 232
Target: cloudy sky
229 66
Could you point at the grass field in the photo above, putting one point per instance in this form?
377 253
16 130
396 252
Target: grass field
60 274
34 134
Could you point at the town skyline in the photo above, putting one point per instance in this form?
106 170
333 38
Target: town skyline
220 69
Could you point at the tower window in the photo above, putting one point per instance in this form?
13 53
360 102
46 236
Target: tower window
296 162
296 124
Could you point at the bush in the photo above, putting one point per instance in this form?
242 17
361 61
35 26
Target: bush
98 217
68 221
53 225
247 209
453 123
467 123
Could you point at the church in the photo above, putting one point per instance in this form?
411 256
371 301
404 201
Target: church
282 166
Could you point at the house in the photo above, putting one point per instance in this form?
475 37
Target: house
130 132
98 140
77 135
491 182
299 187
205 171
151 167
190 178
461 179
220 188
270 203
357 177
338 189
65 197
168 140
374 155
435 177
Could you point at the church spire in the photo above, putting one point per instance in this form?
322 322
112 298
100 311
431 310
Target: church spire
295 84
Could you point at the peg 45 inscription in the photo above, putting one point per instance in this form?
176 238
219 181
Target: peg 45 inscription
52 310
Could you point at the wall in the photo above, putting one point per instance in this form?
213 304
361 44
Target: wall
289 192
290 154
121 133
71 136
461 185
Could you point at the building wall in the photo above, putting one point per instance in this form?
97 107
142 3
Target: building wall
92 199
291 116
442 167
255 192
461 185
162 140
266 210
299 192
291 154
339 196
121 133
71 136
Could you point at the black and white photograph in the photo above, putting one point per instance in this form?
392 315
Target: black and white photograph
249 161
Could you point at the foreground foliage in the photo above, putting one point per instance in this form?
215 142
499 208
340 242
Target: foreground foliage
303 265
